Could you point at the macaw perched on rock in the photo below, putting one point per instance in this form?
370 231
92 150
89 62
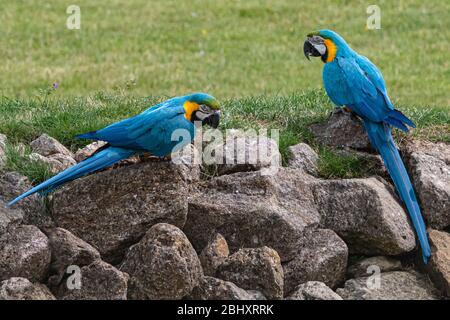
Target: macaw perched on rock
149 132
352 81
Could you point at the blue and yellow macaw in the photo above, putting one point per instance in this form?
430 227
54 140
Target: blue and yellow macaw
149 132
353 81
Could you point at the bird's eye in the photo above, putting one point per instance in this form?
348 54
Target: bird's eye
204 108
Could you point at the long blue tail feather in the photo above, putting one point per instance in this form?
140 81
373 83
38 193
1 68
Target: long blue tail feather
381 138
98 161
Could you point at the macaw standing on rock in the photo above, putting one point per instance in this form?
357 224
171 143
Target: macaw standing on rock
352 81
151 131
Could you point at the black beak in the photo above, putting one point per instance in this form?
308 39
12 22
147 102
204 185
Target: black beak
314 46
213 120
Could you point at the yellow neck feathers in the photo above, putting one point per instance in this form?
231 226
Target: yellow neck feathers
331 50
189 108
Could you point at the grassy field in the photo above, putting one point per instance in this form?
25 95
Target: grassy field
225 47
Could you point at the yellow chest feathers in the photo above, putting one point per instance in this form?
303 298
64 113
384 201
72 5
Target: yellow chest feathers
189 108
331 50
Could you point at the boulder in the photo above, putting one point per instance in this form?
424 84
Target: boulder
254 269
68 250
429 166
321 256
46 146
366 214
439 266
98 281
365 266
395 285
87 151
342 129
163 265
314 290
214 254
24 252
13 184
253 210
9 217
303 157
3 141
211 288
22 289
113 209
56 162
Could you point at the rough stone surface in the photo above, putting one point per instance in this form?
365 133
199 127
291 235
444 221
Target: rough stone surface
252 210
46 146
364 267
342 130
396 285
214 254
163 265
22 289
365 213
3 141
254 269
56 162
12 184
88 150
68 250
439 266
9 217
429 165
211 288
321 256
99 281
314 290
24 252
303 157
114 208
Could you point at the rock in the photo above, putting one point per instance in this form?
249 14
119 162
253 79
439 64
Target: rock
429 165
214 254
99 281
12 184
190 159
23 289
113 209
364 267
373 162
68 250
366 215
243 151
163 265
46 146
303 157
252 210
396 285
87 151
211 288
3 141
439 266
24 252
254 269
322 256
342 130
56 162
314 290
9 217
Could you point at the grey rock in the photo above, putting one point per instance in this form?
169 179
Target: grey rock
163 265
99 281
252 210
24 252
364 267
87 151
22 289
9 217
68 250
214 254
314 290
211 288
3 141
254 269
56 162
429 165
395 285
439 265
46 146
322 256
303 157
365 213
114 208
342 130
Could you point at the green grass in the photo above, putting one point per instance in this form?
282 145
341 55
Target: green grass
228 48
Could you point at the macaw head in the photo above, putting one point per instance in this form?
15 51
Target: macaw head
202 107
325 44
